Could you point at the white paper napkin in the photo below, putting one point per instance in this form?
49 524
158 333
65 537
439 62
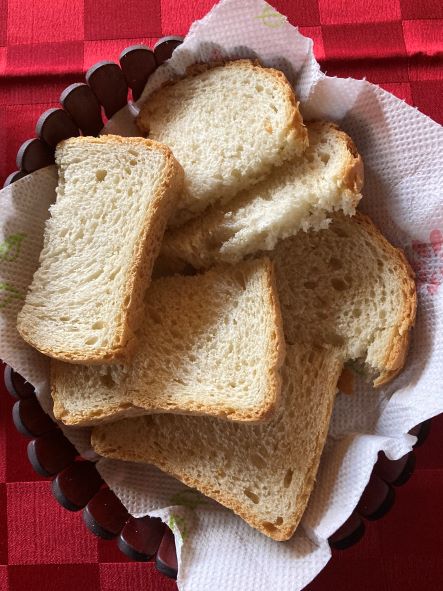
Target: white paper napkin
402 150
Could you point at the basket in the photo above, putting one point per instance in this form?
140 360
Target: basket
76 483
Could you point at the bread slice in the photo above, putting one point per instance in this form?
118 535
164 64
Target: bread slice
296 196
264 472
227 124
114 198
349 288
209 344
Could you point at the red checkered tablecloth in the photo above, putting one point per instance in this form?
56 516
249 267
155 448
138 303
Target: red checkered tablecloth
44 47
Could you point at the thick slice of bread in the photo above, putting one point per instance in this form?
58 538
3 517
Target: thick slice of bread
264 472
349 288
209 344
296 196
227 124
114 198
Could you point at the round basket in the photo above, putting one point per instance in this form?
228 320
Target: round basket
76 484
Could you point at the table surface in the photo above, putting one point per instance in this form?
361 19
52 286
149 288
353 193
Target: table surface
44 47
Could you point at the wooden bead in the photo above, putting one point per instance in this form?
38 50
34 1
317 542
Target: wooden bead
30 419
377 498
105 515
165 46
349 533
82 105
109 86
55 125
141 537
395 472
34 154
16 385
421 431
51 453
166 559
137 63
75 486
14 176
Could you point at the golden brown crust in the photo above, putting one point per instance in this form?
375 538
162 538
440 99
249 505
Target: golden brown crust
395 354
276 346
353 173
395 359
296 127
147 248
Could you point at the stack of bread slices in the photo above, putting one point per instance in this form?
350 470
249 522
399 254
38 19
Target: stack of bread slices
268 290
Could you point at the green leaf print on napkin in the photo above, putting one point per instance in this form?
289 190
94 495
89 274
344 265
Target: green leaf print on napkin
188 498
9 293
271 18
10 248
176 521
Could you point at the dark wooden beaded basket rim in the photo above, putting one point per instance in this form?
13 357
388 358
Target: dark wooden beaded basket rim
107 89
76 483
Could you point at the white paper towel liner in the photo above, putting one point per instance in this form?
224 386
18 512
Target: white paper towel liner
402 151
